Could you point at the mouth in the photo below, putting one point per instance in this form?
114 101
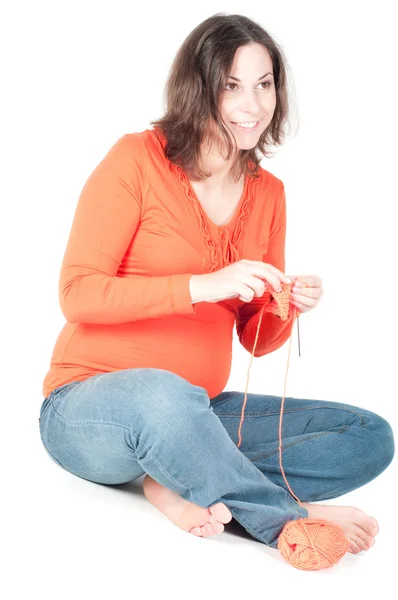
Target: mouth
246 128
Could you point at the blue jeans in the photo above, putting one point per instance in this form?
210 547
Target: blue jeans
114 427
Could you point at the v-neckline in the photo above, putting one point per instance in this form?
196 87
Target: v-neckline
223 241
189 189
237 211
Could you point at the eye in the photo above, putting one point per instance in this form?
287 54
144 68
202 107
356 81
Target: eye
267 83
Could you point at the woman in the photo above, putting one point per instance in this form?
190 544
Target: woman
178 234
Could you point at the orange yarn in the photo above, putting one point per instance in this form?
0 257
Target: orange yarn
307 544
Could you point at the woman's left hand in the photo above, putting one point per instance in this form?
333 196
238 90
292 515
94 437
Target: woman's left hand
307 291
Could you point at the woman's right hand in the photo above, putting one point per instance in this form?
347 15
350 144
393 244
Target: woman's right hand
243 279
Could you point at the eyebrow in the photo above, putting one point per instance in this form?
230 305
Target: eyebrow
236 79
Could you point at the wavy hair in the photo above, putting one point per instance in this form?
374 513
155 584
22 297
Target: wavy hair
197 78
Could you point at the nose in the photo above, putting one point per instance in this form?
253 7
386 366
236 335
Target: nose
250 103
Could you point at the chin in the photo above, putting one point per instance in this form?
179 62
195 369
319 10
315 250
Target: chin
246 145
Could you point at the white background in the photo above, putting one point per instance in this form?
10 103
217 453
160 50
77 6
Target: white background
75 77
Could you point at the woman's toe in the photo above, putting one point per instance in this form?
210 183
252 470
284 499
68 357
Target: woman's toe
353 547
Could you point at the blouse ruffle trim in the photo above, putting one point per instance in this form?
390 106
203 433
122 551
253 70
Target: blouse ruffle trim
229 244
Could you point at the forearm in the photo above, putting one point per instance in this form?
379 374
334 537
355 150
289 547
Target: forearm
106 300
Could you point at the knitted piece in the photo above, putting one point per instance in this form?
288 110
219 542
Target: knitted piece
281 306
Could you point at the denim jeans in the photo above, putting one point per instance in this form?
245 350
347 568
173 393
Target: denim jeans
115 427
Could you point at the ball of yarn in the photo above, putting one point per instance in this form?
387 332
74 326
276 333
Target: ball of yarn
312 544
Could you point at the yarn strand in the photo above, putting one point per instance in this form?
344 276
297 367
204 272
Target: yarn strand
307 544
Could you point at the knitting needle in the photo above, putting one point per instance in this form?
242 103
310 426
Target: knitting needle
298 334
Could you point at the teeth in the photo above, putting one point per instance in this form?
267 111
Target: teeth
248 125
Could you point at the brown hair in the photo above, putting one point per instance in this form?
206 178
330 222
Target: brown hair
196 79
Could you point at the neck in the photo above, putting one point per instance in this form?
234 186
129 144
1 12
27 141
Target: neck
222 175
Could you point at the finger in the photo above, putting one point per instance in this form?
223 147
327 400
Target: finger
308 292
303 302
302 293
277 272
298 281
305 295
272 283
314 281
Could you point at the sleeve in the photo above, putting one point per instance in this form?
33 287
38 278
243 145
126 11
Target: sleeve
274 332
106 218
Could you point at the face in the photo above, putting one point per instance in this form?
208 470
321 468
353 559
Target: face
252 99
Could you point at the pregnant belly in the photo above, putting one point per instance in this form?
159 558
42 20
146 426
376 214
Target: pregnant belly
196 347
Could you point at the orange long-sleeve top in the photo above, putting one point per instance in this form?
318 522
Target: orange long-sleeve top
139 232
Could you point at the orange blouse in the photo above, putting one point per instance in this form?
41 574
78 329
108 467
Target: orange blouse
139 233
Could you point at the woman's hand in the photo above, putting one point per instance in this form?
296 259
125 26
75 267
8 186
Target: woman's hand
244 279
307 292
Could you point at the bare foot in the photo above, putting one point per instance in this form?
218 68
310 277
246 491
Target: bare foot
190 517
359 528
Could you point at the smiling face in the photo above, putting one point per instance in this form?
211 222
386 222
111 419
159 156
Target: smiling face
249 96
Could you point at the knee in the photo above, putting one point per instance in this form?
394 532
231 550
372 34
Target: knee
388 443
165 410
382 441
